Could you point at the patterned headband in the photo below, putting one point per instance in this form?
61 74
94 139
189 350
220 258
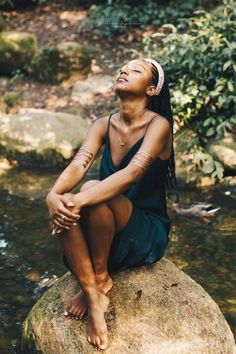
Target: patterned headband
160 74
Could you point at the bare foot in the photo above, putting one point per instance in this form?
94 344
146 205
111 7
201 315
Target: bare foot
77 306
97 327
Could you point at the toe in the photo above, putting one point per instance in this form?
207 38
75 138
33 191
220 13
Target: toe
103 346
97 342
78 315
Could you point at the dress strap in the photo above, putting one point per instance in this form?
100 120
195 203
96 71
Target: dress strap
151 121
108 127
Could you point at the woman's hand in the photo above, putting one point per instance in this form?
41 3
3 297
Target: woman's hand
61 209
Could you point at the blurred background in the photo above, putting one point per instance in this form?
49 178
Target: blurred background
57 63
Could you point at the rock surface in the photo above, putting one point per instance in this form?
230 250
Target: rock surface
56 63
16 51
84 91
224 151
153 309
41 138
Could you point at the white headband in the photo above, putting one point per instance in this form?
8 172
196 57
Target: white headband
160 74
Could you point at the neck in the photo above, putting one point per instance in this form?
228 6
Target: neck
132 109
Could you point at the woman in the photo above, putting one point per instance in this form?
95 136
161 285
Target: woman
120 220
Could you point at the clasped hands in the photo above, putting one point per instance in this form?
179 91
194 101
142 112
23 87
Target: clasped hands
64 210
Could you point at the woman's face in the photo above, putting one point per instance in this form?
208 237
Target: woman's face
134 77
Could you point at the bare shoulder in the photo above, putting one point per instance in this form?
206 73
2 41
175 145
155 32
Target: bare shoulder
158 132
159 122
101 125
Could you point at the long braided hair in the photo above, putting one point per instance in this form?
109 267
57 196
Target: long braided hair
161 105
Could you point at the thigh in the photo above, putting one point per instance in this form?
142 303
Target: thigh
120 206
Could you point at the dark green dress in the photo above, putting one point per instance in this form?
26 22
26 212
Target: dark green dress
145 236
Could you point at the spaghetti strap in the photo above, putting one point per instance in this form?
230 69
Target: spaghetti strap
108 127
150 123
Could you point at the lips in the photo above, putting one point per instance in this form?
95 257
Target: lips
121 79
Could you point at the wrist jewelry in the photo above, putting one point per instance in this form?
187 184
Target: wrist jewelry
142 159
83 156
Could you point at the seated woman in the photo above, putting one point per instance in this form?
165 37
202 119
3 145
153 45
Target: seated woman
119 221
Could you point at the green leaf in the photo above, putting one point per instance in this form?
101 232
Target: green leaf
226 65
210 132
230 86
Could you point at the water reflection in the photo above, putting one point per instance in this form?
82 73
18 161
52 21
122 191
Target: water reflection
29 253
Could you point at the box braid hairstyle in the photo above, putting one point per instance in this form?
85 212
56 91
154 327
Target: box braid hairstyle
161 105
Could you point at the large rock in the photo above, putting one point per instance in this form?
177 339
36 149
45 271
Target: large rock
153 309
41 138
16 51
85 91
224 151
58 62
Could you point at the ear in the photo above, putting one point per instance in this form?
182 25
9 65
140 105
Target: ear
151 90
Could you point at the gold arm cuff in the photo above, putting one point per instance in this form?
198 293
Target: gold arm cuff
83 156
142 159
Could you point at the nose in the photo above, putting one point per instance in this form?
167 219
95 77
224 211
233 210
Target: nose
124 69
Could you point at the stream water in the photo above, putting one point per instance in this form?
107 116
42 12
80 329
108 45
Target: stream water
28 252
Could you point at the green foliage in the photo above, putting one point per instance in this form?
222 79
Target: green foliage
16 51
12 98
9 4
115 17
201 67
205 162
56 63
6 2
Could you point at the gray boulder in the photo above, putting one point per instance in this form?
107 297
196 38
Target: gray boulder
39 137
153 309
85 91
224 151
16 51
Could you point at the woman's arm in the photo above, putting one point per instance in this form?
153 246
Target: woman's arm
75 171
57 203
155 140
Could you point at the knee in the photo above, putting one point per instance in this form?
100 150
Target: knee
88 184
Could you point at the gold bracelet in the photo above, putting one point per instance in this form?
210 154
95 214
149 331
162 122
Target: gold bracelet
83 156
142 159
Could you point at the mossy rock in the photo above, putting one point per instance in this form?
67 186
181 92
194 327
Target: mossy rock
40 138
57 63
153 309
16 51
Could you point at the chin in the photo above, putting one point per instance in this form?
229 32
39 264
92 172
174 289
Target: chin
121 89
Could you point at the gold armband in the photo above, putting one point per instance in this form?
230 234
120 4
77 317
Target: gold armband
142 159
83 156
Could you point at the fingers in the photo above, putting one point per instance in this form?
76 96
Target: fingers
59 224
66 198
65 222
64 211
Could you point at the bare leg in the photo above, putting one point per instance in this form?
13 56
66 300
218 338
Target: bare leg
76 251
99 223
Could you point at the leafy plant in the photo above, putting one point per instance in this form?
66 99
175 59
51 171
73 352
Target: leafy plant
116 17
6 2
201 67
